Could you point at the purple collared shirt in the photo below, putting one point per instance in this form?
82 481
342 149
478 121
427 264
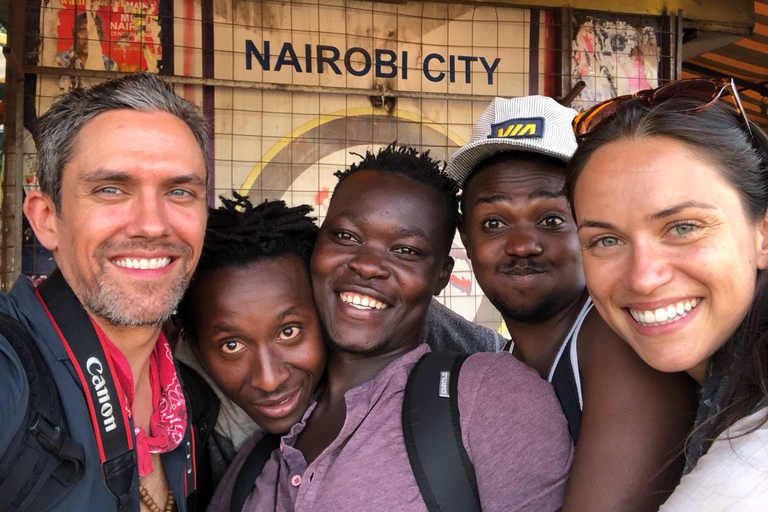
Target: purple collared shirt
512 428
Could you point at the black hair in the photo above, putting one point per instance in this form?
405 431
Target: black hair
719 135
239 234
504 156
417 166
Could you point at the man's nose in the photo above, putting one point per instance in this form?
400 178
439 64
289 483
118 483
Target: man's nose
523 242
148 217
269 373
369 263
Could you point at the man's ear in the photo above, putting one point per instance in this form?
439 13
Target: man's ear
445 275
761 243
42 216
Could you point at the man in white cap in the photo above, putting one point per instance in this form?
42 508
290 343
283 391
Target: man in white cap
517 227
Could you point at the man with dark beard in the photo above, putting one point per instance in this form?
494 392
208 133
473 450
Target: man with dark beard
625 418
122 206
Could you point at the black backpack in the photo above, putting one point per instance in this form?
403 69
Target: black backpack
203 410
432 433
42 462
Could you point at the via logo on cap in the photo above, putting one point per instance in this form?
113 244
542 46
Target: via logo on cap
518 128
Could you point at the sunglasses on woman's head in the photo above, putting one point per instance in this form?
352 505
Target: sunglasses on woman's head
705 90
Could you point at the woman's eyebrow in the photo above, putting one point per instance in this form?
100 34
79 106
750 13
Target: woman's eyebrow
594 224
679 207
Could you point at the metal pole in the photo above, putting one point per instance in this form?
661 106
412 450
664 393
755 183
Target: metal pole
264 86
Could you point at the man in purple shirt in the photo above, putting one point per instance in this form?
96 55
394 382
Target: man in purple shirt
382 253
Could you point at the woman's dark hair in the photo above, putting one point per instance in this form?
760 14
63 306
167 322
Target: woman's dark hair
719 137
239 234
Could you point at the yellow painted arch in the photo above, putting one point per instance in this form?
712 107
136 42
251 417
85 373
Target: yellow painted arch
326 118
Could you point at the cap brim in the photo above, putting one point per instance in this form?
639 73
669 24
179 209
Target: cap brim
465 159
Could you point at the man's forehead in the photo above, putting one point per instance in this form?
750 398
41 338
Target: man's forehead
161 121
531 179
374 184
123 131
369 191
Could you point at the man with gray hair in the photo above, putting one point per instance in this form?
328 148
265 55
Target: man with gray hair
122 206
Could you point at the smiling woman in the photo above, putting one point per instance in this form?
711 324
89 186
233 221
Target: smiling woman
670 193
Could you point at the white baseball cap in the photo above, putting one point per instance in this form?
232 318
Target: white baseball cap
536 124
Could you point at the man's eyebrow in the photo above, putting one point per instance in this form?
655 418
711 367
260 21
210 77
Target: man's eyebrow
354 217
99 175
223 328
495 198
416 232
536 194
680 207
545 194
290 311
105 175
190 178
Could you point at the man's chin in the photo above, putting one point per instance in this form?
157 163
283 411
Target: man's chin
526 313
126 316
137 309
362 348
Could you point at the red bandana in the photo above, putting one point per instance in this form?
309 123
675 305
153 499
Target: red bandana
169 411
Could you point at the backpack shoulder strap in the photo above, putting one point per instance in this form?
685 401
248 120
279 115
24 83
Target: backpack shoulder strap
432 432
202 403
203 411
42 462
251 469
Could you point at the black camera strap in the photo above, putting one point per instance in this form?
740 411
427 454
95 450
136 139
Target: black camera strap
93 366
94 369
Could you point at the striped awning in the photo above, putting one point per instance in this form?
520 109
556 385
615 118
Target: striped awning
746 61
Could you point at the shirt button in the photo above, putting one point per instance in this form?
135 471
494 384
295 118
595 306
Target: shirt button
296 481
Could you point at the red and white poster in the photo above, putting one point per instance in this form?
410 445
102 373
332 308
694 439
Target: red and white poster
108 35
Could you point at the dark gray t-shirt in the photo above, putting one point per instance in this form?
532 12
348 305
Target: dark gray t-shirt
447 331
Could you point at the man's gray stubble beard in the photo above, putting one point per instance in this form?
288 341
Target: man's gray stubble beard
107 306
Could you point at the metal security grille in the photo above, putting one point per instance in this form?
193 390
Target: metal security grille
295 89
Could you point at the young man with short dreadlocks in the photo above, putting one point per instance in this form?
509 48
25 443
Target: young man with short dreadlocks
382 253
249 330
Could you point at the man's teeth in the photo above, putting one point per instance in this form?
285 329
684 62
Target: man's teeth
142 263
362 301
666 315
